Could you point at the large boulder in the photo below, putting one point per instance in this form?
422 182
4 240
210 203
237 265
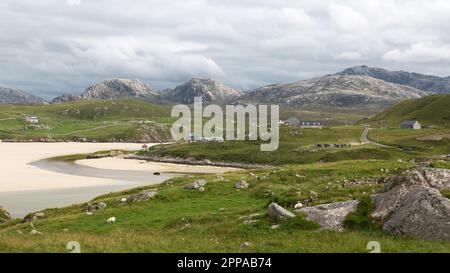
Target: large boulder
278 212
4 216
411 204
330 216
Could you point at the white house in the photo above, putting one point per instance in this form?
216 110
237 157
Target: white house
410 124
32 119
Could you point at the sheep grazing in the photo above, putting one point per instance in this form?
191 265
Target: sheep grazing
111 220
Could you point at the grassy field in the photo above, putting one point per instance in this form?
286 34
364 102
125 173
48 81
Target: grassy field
125 120
429 110
296 147
427 141
181 220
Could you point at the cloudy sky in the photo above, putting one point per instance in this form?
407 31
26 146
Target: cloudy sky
52 46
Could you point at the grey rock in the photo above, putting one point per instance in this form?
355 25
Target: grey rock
196 184
96 206
142 196
242 184
278 212
411 204
330 216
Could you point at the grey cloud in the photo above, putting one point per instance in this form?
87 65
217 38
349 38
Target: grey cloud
53 46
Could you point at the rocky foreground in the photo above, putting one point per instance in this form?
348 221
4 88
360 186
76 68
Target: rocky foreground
410 203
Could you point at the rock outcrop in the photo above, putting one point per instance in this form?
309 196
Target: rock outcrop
278 212
15 96
411 204
144 195
330 216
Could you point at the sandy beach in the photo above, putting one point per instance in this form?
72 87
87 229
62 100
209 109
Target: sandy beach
116 163
18 175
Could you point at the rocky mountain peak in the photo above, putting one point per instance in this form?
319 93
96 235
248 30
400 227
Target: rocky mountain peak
118 88
334 90
427 83
210 90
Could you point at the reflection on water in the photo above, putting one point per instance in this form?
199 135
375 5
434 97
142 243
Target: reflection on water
21 203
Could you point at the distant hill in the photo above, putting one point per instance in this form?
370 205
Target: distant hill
15 96
210 90
428 83
334 90
129 120
429 110
119 88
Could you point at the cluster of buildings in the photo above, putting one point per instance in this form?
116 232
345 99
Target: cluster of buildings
295 122
196 138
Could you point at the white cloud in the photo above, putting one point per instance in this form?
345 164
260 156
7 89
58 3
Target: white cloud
420 53
73 2
48 49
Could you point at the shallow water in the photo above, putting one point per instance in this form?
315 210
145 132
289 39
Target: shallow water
23 202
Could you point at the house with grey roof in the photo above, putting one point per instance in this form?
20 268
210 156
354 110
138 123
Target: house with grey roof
410 124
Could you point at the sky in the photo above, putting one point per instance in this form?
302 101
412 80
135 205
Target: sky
48 47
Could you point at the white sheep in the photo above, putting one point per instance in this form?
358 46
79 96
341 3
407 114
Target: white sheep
111 220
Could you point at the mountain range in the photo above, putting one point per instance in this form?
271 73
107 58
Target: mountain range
359 85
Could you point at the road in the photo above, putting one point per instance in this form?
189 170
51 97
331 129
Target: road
365 140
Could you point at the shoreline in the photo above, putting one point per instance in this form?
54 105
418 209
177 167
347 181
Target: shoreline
129 164
195 162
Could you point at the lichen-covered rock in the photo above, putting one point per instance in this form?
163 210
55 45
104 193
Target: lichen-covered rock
411 204
196 184
4 216
96 206
330 216
142 196
278 212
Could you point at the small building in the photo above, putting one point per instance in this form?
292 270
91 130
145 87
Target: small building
311 124
410 124
32 119
292 122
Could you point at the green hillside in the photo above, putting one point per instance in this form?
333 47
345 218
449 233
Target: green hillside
429 110
99 120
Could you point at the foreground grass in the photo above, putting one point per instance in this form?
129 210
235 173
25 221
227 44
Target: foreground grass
181 220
